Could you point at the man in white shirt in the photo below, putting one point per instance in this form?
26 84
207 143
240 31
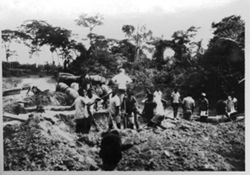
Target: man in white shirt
157 94
115 104
175 102
122 80
82 118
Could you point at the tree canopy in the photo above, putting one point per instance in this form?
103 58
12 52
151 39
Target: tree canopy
216 70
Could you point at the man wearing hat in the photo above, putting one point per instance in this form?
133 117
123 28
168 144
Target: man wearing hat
203 107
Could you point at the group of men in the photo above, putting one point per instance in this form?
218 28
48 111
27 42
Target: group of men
117 99
223 107
123 110
188 104
122 105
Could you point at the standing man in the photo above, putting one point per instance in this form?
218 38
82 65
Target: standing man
221 108
82 116
150 115
106 95
175 102
157 94
82 119
235 103
91 103
115 104
188 104
231 105
204 108
122 80
131 110
149 108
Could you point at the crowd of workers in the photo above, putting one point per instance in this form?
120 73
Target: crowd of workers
122 106
121 103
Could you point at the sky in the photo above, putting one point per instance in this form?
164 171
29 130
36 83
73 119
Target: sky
163 17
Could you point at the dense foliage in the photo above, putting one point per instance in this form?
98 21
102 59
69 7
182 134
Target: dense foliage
216 70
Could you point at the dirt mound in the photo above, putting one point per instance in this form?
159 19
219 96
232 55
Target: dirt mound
48 98
190 146
10 104
40 144
9 83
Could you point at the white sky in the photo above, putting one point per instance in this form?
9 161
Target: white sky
71 8
163 17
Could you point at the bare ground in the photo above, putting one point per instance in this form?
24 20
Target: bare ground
39 144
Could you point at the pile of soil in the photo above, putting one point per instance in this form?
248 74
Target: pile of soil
9 83
191 146
40 144
46 98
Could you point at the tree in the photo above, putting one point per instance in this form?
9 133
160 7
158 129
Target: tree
182 44
139 37
89 22
230 29
224 60
126 49
128 30
36 30
41 33
7 37
160 46
99 57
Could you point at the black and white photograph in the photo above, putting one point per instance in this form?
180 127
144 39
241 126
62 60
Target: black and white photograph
123 85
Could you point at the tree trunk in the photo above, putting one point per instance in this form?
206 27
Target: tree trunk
137 54
6 53
58 57
52 56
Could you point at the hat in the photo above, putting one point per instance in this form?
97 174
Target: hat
203 94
